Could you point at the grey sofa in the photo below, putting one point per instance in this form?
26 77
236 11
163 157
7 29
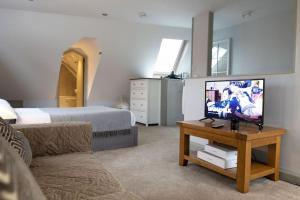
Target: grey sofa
64 167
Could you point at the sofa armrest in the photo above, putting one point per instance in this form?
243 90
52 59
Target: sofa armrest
57 138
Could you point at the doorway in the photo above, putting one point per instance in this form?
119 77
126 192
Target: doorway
71 80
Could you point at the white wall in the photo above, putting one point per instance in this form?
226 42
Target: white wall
31 46
89 47
185 62
281 107
201 48
265 45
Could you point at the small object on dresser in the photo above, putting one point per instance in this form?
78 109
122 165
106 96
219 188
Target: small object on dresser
172 75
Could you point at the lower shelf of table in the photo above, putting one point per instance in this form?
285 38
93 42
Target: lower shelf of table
257 169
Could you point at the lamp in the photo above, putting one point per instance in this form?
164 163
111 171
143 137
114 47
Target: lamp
122 103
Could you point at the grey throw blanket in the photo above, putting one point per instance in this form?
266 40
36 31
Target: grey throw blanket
102 118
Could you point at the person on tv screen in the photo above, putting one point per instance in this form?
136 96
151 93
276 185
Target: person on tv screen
221 108
238 99
248 97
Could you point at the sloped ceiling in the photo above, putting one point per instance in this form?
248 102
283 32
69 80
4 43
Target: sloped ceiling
231 14
176 13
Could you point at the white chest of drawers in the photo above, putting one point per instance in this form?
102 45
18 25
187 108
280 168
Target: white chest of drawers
145 100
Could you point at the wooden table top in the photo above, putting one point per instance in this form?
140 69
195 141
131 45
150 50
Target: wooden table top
246 132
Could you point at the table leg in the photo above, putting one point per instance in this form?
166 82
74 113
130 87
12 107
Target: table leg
273 158
243 166
184 148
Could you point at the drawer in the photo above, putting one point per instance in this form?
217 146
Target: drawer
140 116
139 84
139 94
139 105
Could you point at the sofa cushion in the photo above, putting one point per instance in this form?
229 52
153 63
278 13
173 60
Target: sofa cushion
57 138
17 140
76 176
16 180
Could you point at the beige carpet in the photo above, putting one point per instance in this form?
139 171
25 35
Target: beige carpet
151 170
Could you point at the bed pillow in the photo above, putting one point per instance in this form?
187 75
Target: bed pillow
6 111
17 140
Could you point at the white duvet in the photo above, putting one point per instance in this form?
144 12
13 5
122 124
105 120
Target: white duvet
32 116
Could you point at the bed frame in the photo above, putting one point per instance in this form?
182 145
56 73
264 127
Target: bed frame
115 139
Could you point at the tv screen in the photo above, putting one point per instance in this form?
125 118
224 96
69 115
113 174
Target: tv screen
239 99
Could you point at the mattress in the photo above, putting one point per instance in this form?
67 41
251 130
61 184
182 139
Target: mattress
102 118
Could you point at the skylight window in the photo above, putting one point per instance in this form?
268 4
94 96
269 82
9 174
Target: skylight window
169 56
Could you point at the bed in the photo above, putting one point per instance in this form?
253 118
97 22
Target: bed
112 128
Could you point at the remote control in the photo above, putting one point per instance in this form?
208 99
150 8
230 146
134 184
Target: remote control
217 125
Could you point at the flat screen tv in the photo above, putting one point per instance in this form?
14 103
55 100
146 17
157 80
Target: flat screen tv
235 99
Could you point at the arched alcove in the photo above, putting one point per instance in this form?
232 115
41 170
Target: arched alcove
71 79
69 87
90 47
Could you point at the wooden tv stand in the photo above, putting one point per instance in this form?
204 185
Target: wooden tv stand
247 138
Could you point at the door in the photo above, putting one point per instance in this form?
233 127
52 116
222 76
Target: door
71 80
